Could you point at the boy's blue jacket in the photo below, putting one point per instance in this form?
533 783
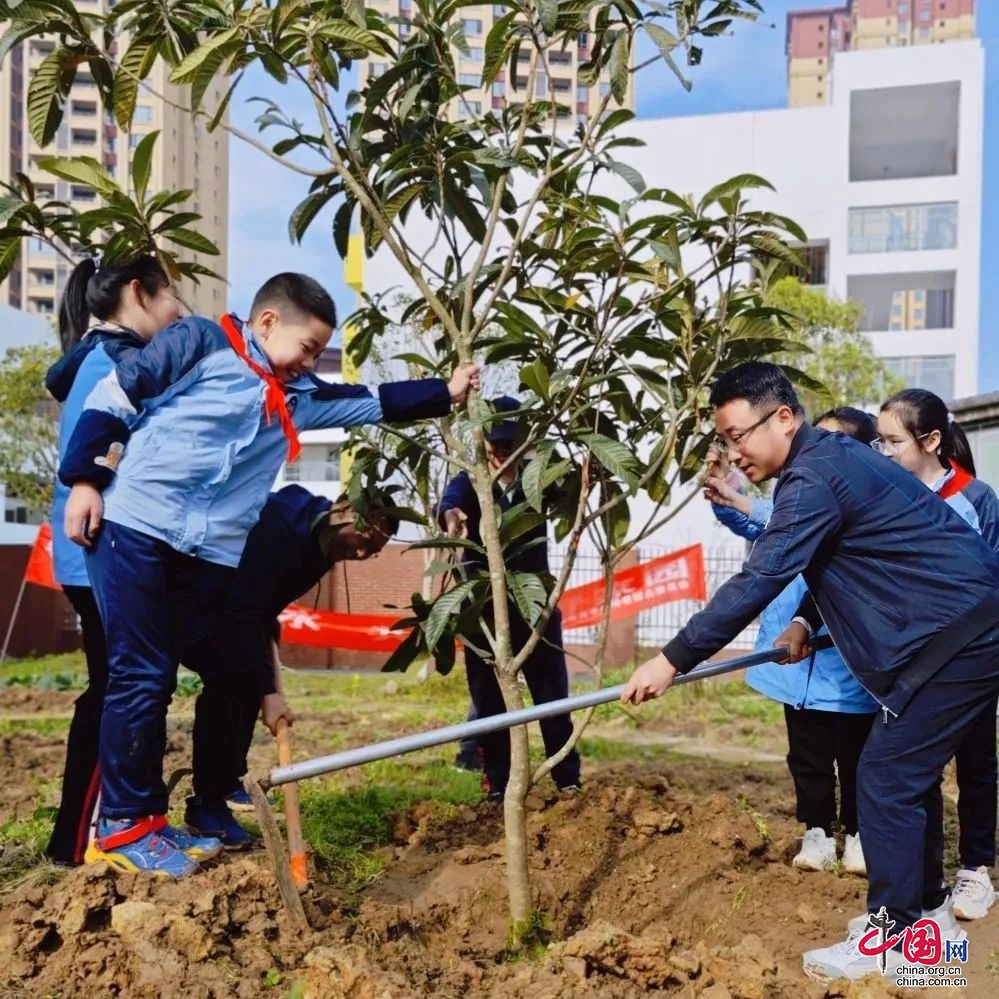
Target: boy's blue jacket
820 683
887 564
70 380
201 457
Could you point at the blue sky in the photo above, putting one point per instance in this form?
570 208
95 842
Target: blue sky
742 71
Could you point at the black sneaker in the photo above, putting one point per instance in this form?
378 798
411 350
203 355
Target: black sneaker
495 797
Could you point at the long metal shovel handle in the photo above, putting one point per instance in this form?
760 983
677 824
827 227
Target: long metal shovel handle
481 726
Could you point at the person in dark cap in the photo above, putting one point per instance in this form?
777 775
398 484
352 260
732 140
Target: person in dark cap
544 670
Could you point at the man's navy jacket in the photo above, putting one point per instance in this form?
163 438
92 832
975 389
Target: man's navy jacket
887 562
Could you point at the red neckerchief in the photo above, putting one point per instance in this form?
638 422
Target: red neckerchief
957 483
274 397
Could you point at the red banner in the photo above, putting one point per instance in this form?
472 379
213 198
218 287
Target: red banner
39 569
677 576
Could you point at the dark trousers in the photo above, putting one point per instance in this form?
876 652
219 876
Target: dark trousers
822 745
547 680
80 780
976 792
898 781
155 603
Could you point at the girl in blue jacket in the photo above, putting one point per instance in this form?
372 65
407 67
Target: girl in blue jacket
827 712
916 431
106 312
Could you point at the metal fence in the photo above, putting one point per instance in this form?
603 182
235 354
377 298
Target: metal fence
657 625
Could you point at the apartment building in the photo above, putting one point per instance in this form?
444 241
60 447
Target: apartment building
815 37
187 156
561 84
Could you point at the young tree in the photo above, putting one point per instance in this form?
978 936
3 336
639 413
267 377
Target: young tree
841 360
616 311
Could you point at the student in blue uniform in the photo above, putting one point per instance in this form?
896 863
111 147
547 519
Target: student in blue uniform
106 312
910 595
916 431
170 465
827 713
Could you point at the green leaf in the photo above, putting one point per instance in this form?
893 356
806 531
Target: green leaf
305 212
80 170
142 165
535 376
528 592
187 69
628 173
548 15
733 186
615 457
617 64
355 11
664 40
532 479
444 607
498 46
191 240
344 31
135 66
8 256
47 93
402 658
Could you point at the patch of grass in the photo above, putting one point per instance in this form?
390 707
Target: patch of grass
758 819
67 662
44 681
345 826
21 858
529 938
44 725
596 748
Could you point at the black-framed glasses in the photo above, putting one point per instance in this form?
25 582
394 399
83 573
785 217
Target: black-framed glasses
732 443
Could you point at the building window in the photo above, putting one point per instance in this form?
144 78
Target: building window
471 26
814 269
933 373
86 109
582 94
499 88
605 89
82 193
82 137
473 55
469 79
376 69
560 58
903 228
925 15
134 139
903 8
143 114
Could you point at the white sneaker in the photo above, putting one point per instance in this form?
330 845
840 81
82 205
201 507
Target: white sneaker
973 893
853 855
943 915
844 960
818 852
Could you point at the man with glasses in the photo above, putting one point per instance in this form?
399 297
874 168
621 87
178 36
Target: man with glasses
909 594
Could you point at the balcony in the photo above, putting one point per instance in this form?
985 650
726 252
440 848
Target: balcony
904 132
903 228
915 301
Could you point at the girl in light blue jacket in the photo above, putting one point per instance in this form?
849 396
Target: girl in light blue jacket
827 712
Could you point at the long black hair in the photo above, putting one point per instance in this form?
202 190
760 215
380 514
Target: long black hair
921 412
95 290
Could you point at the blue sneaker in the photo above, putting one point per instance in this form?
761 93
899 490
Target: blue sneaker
240 800
135 846
214 819
198 848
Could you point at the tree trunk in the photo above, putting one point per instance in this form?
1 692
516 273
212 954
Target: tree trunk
518 876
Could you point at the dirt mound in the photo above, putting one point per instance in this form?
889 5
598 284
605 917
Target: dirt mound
647 886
